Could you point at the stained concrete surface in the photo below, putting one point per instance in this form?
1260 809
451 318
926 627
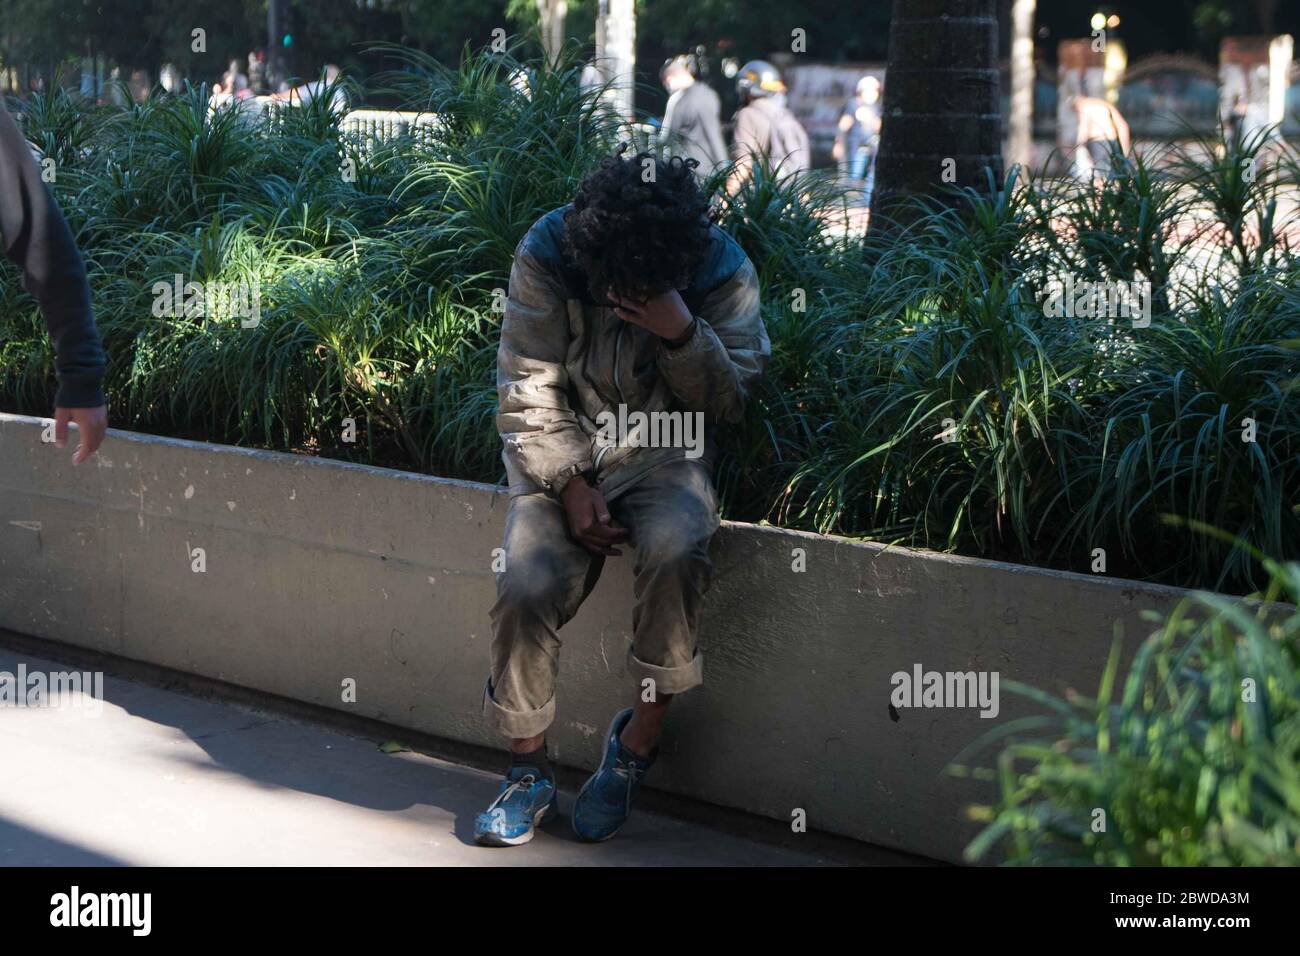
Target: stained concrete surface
157 777
318 574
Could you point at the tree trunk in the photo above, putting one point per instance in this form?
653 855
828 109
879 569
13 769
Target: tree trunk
1021 119
616 50
275 23
1265 12
942 123
552 13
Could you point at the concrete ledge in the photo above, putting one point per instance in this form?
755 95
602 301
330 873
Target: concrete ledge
320 571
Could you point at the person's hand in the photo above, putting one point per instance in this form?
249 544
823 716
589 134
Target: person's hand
837 150
665 315
589 519
91 424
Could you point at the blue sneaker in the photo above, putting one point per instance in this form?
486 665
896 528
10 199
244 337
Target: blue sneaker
605 801
526 800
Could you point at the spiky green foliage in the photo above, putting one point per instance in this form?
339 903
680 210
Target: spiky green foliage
1189 759
378 289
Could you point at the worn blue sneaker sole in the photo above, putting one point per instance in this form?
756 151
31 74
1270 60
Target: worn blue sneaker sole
544 815
573 815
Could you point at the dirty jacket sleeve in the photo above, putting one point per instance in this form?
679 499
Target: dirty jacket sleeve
539 429
717 366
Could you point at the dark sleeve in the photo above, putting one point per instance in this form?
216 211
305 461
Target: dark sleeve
37 239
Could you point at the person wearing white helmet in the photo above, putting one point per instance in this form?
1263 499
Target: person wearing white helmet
765 127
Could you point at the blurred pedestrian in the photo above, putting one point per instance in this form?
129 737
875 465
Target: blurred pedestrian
692 126
328 85
257 73
233 81
858 136
765 127
1101 133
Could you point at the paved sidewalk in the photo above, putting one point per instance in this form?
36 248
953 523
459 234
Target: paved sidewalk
164 778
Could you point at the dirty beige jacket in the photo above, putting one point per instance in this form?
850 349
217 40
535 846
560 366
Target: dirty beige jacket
564 359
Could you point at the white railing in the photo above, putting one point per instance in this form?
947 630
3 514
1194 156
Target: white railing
369 127
366 127
385 124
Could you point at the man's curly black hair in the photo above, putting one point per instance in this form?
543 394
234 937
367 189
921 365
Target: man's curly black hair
639 226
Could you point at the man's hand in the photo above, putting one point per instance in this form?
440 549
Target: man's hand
589 519
91 423
665 315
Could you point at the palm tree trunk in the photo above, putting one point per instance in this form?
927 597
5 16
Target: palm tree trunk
942 124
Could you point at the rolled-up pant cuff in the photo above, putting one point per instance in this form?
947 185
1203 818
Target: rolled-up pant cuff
668 680
516 724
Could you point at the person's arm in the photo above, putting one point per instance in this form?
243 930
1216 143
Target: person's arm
746 145
841 131
667 128
1122 133
37 240
711 365
714 369
542 438
805 146
712 122
296 96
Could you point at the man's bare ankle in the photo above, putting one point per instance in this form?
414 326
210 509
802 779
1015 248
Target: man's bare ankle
640 743
526 745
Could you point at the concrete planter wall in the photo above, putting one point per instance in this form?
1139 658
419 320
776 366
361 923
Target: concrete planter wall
318 571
